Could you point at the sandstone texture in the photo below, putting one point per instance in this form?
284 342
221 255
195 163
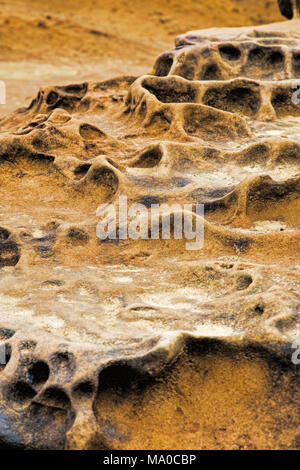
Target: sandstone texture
142 344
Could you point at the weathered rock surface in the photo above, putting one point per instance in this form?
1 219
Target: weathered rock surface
141 344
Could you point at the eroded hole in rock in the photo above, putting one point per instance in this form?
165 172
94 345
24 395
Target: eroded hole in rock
34 102
53 283
206 52
45 251
266 57
188 65
186 71
104 176
77 88
46 426
41 158
27 344
296 63
149 200
163 65
89 132
243 282
289 154
104 302
234 98
4 234
286 8
240 245
255 311
39 141
149 158
5 355
160 121
20 393
83 390
52 98
122 380
259 309
183 407
69 103
275 201
78 236
9 253
82 169
171 91
114 164
230 52
56 397
281 100
38 373
211 72
142 110
6 333
275 58
256 154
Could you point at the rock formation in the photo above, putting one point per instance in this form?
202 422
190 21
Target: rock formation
142 344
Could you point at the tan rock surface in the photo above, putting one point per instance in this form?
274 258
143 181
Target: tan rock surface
142 344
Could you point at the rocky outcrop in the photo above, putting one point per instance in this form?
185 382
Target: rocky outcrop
289 8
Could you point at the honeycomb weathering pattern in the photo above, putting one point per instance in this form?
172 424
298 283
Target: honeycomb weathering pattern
132 344
289 8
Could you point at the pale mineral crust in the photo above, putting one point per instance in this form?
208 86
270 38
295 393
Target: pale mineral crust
142 344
